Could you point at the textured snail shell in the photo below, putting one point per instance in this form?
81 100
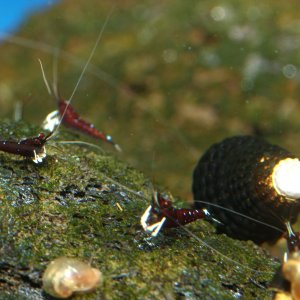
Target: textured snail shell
246 174
64 276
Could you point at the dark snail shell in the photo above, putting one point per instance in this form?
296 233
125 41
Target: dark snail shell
237 174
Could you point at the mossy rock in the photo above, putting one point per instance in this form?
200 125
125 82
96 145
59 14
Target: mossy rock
69 205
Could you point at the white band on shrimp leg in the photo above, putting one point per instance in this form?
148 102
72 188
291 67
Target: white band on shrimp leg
51 121
145 217
154 228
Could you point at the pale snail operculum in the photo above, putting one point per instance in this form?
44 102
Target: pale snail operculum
65 276
286 178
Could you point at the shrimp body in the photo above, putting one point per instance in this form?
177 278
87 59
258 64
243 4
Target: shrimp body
73 120
33 148
164 214
70 118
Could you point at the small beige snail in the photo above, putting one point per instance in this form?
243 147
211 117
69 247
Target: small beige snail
65 276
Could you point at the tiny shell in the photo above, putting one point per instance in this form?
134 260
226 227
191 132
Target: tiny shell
291 272
64 276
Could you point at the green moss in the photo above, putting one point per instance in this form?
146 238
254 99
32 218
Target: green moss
163 113
67 206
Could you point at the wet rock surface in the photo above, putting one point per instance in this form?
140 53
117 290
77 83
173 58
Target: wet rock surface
84 204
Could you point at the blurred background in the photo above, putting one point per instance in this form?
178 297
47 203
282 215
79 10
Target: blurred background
15 13
168 78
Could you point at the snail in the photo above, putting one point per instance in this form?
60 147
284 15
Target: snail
252 177
65 276
256 183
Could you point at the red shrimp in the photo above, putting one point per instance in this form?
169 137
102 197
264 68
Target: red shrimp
73 120
33 148
164 214
66 114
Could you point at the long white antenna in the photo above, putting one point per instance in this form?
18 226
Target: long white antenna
81 143
54 75
31 44
240 214
52 121
85 67
92 54
45 78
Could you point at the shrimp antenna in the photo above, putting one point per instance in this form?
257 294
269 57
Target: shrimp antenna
81 143
55 74
240 214
85 66
18 111
94 70
224 256
45 78
50 135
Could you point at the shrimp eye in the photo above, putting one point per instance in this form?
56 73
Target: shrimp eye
162 202
37 142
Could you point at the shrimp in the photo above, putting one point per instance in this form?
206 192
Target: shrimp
33 148
247 175
66 114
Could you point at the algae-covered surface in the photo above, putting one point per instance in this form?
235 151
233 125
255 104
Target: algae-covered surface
167 79
86 204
